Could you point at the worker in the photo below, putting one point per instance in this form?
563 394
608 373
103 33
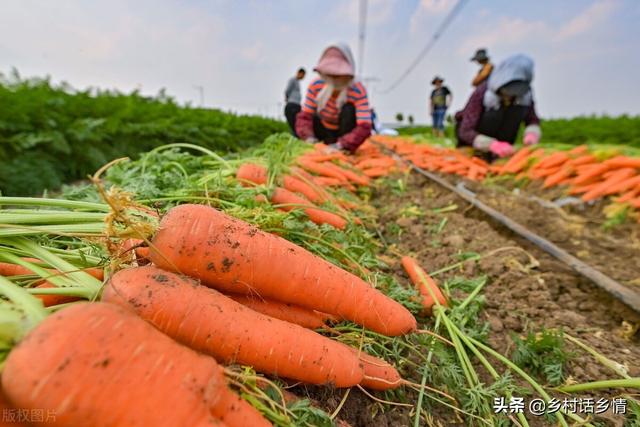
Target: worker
440 100
293 98
336 109
492 117
486 67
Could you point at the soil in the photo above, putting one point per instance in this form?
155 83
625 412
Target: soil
527 288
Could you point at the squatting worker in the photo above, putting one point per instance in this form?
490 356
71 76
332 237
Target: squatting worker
336 109
486 67
491 119
293 98
441 98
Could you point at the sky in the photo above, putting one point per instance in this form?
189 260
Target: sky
241 52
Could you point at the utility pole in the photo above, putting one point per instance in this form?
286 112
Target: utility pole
200 89
362 35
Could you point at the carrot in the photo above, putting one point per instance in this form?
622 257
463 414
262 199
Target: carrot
629 195
378 374
351 176
602 188
281 196
10 414
296 185
557 177
372 163
580 149
304 317
513 165
578 189
209 322
9 269
327 181
321 169
623 162
234 256
554 160
96 364
250 174
582 160
425 284
376 172
624 185
593 172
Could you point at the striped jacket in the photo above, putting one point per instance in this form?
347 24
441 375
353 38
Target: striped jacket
329 115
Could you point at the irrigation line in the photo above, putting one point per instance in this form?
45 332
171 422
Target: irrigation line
617 290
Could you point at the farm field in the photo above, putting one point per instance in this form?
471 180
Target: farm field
490 318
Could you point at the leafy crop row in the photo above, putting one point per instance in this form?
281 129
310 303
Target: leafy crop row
52 134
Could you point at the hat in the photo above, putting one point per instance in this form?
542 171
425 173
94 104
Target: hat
334 62
481 55
437 79
517 88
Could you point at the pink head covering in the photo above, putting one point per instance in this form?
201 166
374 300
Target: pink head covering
334 62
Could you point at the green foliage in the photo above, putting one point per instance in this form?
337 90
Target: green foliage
54 134
543 354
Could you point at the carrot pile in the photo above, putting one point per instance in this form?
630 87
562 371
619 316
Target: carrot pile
216 291
582 173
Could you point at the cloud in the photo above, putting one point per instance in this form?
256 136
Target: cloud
506 33
593 16
427 9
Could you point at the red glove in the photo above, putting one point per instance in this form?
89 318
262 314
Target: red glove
531 138
304 126
501 148
356 137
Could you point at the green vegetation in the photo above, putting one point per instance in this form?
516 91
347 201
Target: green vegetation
50 135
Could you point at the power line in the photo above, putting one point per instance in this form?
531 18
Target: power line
362 35
443 26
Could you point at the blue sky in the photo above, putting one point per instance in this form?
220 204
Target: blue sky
242 51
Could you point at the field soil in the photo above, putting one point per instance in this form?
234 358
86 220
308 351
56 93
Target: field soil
527 289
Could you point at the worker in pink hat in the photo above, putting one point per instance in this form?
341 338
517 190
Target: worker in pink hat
336 108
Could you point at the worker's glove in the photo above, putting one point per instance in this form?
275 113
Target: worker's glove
333 148
501 148
531 138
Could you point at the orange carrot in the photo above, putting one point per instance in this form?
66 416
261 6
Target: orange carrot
321 169
601 189
379 162
8 269
352 176
554 160
376 172
296 185
88 354
286 198
591 173
378 374
425 284
629 195
304 317
327 181
209 322
515 163
582 160
236 257
557 177
623 162
624 185
580 149
250 174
